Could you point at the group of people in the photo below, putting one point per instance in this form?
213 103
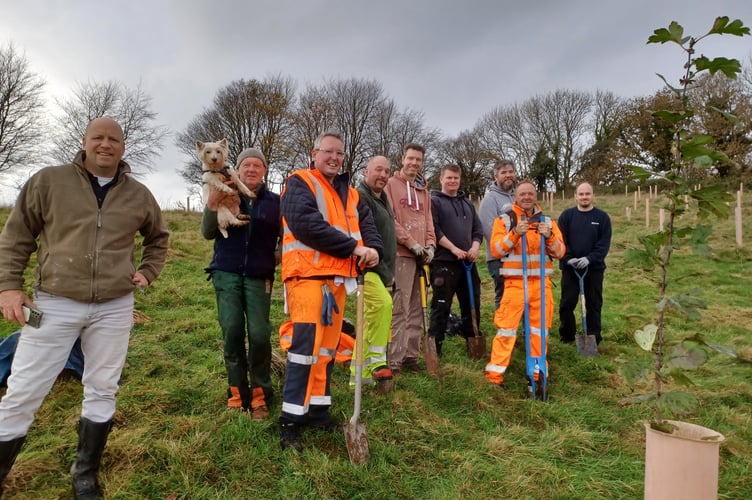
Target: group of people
324 232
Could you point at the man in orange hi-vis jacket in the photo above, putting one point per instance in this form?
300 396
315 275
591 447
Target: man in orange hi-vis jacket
525 218
328 234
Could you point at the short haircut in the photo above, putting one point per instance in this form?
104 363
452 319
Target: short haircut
584 182
321 137
502 163
416 147
451 167
528 181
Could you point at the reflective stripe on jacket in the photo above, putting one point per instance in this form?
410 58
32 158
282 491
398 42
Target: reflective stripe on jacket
303 260
507 246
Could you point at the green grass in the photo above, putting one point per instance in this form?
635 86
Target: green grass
460 439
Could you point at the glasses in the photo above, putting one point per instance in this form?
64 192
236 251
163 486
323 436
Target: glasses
330 152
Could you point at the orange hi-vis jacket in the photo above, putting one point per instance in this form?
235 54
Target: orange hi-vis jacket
507 245
303 261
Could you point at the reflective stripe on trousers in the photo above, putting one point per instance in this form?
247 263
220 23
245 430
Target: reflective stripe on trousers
310 357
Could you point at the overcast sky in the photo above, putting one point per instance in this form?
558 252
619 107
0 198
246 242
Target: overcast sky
452 60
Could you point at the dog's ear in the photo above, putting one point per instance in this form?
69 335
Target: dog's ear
223 144
199 146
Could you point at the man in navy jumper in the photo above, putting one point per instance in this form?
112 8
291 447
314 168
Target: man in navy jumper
587 236
459 234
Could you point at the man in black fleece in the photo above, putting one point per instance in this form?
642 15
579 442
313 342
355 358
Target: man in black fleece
459 234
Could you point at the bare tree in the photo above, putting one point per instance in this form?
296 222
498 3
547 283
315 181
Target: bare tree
467 151
20 110
599 161
130 107
248 113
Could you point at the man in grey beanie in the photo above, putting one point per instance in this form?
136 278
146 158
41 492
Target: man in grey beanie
242 271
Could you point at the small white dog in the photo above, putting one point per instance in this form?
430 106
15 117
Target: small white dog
213 157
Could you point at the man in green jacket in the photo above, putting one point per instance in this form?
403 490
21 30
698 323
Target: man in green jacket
81 219
379 280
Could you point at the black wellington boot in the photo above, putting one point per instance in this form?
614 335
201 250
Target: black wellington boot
92 437
8 453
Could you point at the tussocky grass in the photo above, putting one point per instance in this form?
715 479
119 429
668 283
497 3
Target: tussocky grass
462 438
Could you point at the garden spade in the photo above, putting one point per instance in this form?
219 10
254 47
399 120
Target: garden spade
429 342
587 345
476 345
355 430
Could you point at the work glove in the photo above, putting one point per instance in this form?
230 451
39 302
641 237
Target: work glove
582 263
329 306
428 254
417 250
573 262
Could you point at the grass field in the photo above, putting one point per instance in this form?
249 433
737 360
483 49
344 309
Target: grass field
464 438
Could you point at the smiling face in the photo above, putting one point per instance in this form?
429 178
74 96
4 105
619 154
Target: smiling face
377 174
525 196
328 156
104 147
412 162
450 181
584 197
251 171
505 177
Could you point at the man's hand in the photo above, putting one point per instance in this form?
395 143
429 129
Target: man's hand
140 280
11 304
428 253
573 261
544 229
417 250
521 227
367 256
582 263
472 254
217 197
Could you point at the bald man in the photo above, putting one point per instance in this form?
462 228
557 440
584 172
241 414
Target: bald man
84 216
379 280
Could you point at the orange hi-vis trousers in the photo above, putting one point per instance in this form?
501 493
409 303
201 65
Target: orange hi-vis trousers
507 320
310 357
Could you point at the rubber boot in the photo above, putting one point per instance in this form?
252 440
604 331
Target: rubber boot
92 437
8 453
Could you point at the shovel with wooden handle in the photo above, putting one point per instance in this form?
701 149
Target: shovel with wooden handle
429 342
476 345
355 430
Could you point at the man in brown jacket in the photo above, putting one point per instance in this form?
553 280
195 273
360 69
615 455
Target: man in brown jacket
81 219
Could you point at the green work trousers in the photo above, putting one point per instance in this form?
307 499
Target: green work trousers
243 306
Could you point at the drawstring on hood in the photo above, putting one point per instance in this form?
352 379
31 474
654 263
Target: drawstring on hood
419 183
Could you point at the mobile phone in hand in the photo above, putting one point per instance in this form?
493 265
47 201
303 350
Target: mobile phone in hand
33 316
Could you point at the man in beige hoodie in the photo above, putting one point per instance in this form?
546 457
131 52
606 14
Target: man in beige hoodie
416 242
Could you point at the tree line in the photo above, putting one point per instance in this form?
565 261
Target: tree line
555 138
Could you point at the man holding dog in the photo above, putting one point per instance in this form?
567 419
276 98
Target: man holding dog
587 235
242 271
81 219
522 224
328 235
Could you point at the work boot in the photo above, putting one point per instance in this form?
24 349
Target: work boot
92 437
8 453
289 436
260 413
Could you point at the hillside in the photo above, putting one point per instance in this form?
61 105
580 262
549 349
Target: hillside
460 439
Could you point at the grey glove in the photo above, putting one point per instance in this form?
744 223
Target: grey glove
417 250
428 254
573 261
582 263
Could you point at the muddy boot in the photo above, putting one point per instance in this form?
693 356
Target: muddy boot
92 437
8 453
289 436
